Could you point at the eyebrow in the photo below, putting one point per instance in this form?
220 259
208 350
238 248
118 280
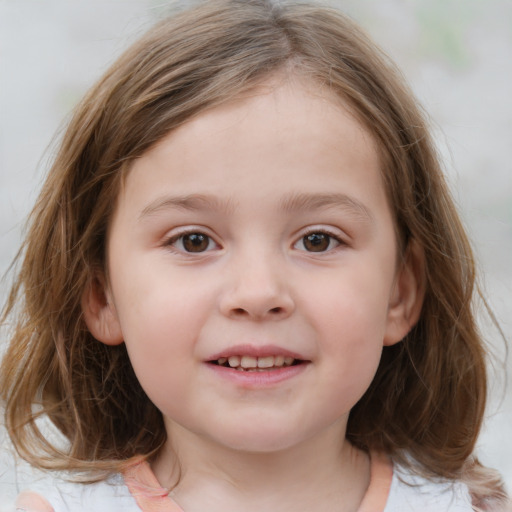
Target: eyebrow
192 202
308 202
294 203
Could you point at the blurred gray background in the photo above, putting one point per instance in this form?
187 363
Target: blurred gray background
456 54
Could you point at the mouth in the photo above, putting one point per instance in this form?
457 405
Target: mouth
246 363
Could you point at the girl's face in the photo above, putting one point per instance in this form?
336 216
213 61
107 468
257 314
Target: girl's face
253 271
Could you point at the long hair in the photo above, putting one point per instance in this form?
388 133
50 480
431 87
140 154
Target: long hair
427 400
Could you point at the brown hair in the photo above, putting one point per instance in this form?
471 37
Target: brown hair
427 400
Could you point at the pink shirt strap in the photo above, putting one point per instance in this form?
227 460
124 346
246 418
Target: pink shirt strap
381 476
29 501
151 497
147 491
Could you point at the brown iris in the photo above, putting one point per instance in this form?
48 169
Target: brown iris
195 242
316 242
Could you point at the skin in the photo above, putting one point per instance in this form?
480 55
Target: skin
255 177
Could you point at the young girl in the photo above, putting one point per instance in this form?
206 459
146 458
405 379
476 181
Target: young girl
246 287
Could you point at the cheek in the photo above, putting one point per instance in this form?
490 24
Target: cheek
351 324
160 320
353 349
157 306
350 363
161 351
353 312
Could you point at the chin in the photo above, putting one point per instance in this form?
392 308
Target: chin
259 440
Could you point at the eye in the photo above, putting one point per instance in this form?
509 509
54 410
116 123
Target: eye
193 242
318 241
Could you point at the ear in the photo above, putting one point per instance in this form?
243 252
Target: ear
99 311
407 295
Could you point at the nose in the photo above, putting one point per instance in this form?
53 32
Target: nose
256 289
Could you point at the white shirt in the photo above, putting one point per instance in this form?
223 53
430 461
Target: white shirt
391 489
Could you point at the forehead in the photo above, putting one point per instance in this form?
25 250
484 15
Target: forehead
284 109
287 134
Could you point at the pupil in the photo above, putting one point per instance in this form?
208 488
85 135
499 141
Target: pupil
195 242
316 242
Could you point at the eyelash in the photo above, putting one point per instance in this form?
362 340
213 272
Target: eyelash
171 242
324 235
330 236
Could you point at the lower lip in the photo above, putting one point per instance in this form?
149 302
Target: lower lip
258 379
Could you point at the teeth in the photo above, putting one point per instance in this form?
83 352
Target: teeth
249 362
266 362
234 361
255 363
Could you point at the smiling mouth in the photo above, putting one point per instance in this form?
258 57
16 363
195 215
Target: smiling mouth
256 364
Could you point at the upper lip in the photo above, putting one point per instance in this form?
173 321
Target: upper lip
255 351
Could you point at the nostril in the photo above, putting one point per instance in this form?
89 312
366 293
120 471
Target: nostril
241 312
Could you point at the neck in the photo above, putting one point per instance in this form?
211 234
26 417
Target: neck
321 474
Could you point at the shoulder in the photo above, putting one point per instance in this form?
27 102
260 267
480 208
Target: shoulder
413 493
50 494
